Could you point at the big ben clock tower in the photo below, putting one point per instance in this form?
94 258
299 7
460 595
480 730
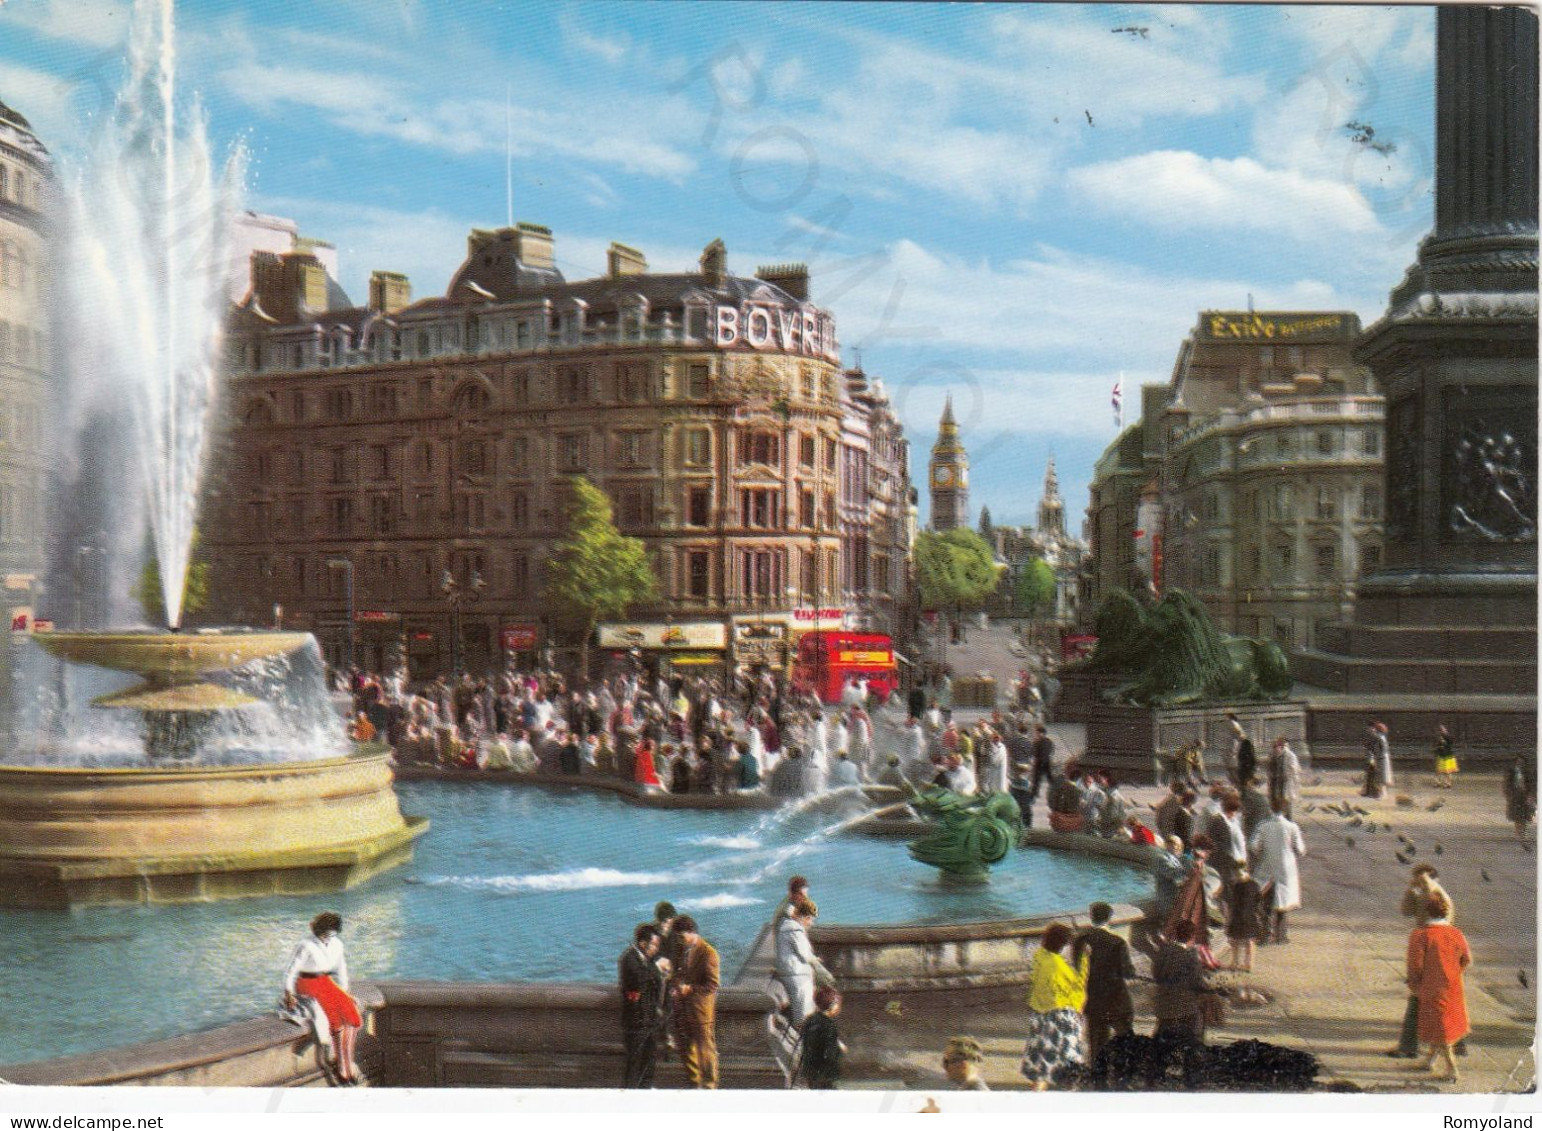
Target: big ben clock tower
949 475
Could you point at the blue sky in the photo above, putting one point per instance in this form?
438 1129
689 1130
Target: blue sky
1014 203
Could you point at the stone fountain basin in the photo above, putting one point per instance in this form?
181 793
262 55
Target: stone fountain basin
71 837
169 657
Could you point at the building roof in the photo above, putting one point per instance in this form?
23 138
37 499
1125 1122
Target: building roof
14 117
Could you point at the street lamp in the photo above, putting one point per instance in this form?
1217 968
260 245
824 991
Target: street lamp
456 593
346 565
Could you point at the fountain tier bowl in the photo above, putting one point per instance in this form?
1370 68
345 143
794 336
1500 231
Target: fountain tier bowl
72 837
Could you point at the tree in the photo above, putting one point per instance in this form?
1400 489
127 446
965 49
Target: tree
1034 593
955 570
195 589
596 572
987 528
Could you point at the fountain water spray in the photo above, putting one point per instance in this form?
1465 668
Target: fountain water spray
148 220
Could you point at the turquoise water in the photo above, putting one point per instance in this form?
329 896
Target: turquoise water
509 884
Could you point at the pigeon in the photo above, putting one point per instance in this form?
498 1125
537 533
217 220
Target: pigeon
1488 879
1355 823
1401 859
1404 801
1309 807
1349 840
1439 849
1090 122
1362 812
1317 780
1434 805
1412 850
1525 981
1402 839
1370 826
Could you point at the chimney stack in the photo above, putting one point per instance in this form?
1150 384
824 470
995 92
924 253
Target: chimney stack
389 291
622 260
791 277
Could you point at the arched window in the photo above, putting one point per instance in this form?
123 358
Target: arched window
472 397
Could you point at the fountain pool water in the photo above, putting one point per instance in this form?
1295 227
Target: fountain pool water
515 884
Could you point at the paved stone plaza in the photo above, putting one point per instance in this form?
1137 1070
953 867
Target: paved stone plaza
1337 986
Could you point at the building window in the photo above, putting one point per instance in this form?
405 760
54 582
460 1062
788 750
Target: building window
832 517
698 506
424 464
806 516
519 386
806 386
297 466
384 400
338 404
519 510
1370 441
760 509
340 515
1370 502
760 447
383 514
698 381
806 456
1326 559
472 399
572 385
698 447
1282 503
574 450
632 449
760 574
423 507
264 466
631 382
810 579
1284 632
1283 445
1255 563
1326 442
521 574
1284 563
339 465
1327 503
296 517
470 511
634 508
1370 557
519 454
380 461
473 457
830 453
298 573
698 572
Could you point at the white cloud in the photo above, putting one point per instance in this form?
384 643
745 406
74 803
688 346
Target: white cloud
608 49
46 101
1179 190
96 23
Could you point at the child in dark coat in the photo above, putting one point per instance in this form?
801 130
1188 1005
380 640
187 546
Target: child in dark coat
819 1065
1242 923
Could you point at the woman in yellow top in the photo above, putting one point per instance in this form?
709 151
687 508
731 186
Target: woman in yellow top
1056 995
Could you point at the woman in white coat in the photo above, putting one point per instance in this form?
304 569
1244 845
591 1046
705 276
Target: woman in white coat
1277 847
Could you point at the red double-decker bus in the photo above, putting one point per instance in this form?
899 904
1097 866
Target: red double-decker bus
826 660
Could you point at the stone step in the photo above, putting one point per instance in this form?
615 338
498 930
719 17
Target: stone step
1494 642
1475 674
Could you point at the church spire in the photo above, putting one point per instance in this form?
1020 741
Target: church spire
1051 509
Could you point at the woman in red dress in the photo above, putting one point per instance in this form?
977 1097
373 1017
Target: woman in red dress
319 970
643 770
1437 956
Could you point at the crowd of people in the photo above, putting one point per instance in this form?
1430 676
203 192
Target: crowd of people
1226 857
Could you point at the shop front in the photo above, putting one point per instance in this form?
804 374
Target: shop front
666 650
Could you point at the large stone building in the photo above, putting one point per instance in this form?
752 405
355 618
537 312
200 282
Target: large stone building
1258 483
26 179
1016 546
418 454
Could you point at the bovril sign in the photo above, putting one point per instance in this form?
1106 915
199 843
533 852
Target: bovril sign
762 326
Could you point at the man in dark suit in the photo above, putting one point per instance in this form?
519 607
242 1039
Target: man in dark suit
1108 1009
642 975
1043 757
695 987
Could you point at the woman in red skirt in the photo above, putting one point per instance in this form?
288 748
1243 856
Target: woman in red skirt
319 970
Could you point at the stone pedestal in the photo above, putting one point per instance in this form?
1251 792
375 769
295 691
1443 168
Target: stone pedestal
1449 622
